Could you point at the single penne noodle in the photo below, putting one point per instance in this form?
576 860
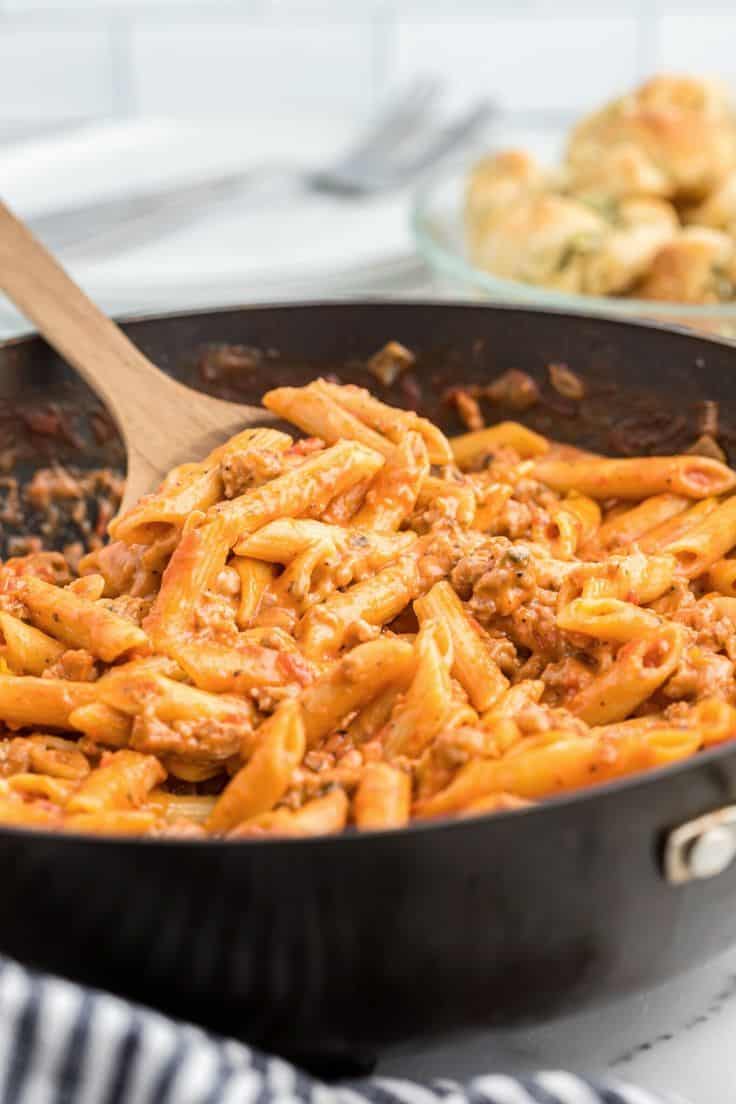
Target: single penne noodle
662 535
27 701
171 701
426 708
721 576
80 623
389 421
707 542
471 450
635 578
352 682
640 668
392 495
190 487
383 798
624 529
691 476
608 619
266 776
224 669
319 415
321 817
282 540
102 724
197 561
473 665
567 764
123 781
360 550
28 651
255 577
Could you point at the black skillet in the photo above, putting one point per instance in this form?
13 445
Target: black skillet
342 946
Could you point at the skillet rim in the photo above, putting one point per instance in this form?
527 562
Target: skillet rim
415 827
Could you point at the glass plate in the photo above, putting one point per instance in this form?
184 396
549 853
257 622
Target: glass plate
438 227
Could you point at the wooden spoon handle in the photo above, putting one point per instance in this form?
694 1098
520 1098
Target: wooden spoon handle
78 330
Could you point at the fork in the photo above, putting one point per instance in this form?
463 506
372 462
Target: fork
400 146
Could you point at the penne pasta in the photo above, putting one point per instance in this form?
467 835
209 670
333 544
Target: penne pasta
374 601
657 539
472 665
689 476
28 651
190 488
79 622
387 420
318 414
393 493
368 625
322 817
265 777
383 798
608 619
123 781
352 682
707 542
639 669
427 706
27 701
472 449
624 529
564 763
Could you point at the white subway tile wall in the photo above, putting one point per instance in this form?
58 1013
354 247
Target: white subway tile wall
68 60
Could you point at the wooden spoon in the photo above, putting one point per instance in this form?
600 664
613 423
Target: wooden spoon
163 423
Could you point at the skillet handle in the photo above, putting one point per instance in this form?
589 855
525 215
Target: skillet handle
701 848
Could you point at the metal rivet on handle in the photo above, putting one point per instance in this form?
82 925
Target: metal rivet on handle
701 848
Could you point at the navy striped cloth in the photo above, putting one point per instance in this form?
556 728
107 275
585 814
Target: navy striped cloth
64 1044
